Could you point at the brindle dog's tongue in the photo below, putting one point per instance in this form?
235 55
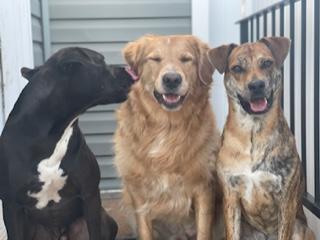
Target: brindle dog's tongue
258 105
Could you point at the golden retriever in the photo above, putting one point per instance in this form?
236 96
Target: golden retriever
166 141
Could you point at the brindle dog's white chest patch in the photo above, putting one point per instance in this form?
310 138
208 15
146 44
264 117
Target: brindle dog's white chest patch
50 173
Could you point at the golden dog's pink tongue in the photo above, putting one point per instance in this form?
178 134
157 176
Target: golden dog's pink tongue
258 105
171 98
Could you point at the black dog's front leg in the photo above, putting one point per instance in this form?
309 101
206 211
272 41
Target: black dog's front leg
15 222
92 214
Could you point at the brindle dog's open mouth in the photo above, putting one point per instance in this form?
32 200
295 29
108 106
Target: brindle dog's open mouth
169 100
257 105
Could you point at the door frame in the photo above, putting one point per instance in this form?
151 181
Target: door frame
16 51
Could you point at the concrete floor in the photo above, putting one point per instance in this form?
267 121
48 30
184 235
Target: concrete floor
112 203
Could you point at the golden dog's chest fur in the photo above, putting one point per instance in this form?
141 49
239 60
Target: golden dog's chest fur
164 159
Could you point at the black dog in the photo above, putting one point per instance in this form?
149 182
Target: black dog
49 176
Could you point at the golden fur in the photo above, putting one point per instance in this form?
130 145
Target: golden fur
167 158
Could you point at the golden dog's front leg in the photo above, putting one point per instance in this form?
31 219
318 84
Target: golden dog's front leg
144 224
144 227
204 210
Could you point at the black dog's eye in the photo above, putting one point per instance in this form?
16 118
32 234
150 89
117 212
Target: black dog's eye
237 69
155 59
185 59
266 64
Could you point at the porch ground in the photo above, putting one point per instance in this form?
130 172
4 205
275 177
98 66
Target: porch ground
112 203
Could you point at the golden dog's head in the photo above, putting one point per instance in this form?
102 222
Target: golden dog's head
252 71
171 68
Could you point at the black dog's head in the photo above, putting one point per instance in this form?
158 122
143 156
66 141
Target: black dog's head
79 78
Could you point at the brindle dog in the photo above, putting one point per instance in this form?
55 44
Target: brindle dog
258 164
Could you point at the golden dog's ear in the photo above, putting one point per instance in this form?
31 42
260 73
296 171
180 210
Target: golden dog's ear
205 68
131 55
133 52
279 47
219 56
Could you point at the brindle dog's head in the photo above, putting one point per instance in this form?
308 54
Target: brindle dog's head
252 71
171 69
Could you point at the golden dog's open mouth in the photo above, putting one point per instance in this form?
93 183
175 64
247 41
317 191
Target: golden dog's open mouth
170 101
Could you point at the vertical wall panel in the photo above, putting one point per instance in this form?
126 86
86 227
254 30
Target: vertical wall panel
37 32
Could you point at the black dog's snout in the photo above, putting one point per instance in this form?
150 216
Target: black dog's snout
171 81
257 86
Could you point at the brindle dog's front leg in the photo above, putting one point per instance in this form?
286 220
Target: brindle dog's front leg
289 206
232 214
204 208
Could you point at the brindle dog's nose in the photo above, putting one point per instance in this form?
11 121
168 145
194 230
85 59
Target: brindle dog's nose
171 81
257 86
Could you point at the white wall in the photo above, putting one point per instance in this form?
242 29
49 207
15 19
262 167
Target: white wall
223 30
16 50
214 22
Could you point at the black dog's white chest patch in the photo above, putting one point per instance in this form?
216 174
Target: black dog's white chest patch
50 173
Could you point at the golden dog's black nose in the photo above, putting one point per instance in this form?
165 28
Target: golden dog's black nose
256 86
172 80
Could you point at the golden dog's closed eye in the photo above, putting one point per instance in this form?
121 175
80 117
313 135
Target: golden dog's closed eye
155 58
186 58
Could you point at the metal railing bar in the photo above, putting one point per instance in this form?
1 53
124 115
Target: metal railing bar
251 29
265 24
282 34
303 86
258 27
308 202
316 98
244 32
273 21
292 72
268 9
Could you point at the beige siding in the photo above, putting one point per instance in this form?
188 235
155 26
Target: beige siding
36 19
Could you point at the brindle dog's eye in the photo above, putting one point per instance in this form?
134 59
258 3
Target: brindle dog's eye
155 59
266 64
185 59
237 69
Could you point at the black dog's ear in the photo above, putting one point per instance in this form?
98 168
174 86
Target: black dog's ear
28 73
219 56
279 47
70 65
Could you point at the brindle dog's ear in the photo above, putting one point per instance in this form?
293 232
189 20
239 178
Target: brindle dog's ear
279 47
28 73
219 56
